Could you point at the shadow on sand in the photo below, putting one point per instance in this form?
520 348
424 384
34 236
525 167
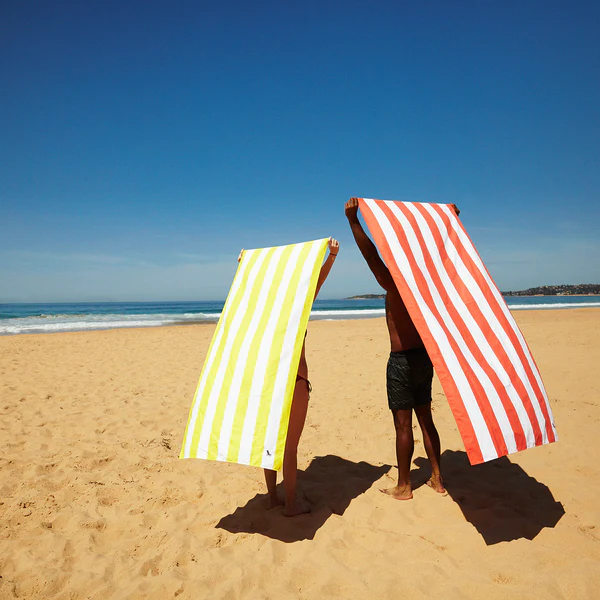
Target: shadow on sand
498 498
329 483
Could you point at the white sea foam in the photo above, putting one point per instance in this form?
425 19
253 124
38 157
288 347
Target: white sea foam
553 305
48 323
347 314
377 312
64 322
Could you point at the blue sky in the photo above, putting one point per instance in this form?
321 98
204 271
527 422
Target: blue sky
144 143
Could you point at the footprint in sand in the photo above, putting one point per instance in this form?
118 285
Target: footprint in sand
97 524
151 566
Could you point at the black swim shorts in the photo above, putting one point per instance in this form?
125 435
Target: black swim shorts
409 376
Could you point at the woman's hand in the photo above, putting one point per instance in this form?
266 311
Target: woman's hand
334 246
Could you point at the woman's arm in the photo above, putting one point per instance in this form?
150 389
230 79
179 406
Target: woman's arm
334 248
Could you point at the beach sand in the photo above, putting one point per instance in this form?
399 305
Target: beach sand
94 502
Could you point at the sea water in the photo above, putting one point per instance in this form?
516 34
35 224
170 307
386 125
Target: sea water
83 316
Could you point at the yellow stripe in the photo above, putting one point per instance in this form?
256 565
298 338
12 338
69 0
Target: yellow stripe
240 415
210 349
291 383
224 325
240 335
258 443
224 331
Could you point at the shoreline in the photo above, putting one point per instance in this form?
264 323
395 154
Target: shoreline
179 324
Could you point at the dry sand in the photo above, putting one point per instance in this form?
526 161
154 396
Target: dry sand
94 502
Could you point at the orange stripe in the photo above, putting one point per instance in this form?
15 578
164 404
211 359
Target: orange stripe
463 421
508 330
471 305
478 390
503 319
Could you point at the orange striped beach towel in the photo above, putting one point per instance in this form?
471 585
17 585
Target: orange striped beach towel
485 367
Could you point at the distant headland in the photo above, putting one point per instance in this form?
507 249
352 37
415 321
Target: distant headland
581 289
366 297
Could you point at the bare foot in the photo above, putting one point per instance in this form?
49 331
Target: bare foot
295 510
435 483
400 493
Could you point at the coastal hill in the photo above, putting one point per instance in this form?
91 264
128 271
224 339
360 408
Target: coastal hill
581 289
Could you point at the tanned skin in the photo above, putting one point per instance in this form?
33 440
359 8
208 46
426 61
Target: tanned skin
291 506
403 336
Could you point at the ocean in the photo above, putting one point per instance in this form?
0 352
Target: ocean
86 316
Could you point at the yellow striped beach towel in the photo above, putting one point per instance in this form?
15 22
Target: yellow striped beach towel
241 409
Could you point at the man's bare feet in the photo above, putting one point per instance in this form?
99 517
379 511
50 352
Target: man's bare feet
436 483
295 510
399 492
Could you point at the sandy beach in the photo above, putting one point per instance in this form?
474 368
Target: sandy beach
94 502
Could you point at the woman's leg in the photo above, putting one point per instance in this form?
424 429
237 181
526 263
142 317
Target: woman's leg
271 481
290 458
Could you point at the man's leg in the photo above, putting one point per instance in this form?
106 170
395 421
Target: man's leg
290 458
431 441
404 450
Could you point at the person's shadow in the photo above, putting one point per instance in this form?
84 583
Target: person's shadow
329 483
499 498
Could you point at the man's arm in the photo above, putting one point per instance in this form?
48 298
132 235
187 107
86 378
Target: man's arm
334 248
367 247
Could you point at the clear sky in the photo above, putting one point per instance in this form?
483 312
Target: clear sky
142 144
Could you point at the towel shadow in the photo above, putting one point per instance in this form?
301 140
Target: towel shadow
329 483
499 498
